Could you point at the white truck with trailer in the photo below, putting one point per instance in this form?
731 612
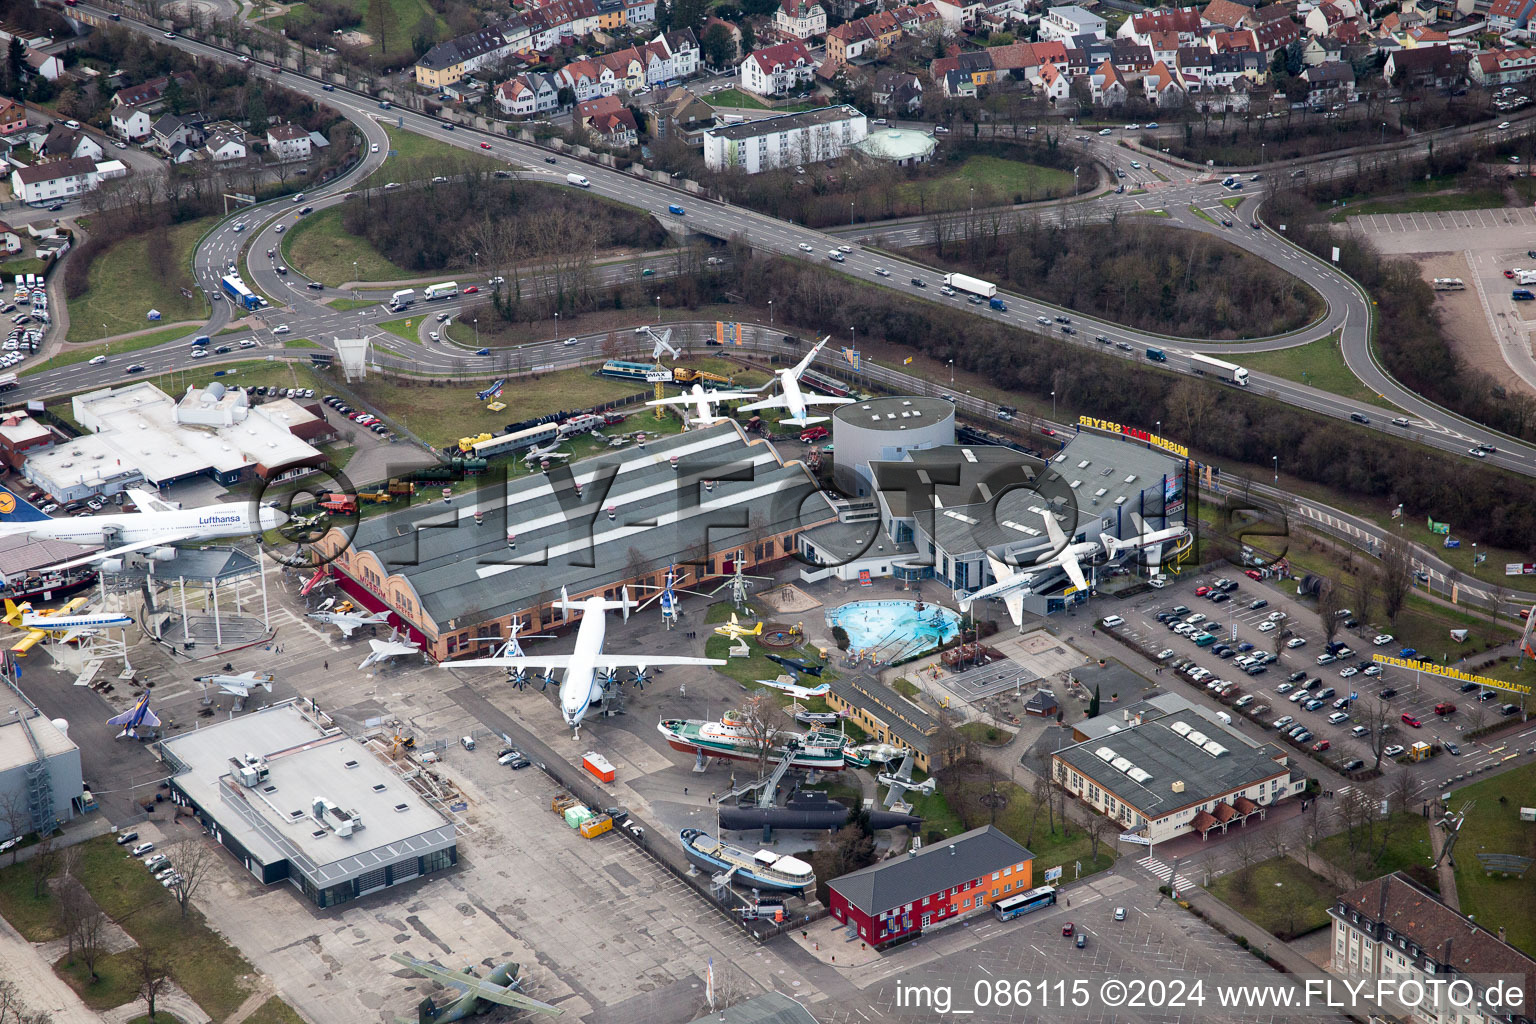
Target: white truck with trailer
402 298
975 286
1229 372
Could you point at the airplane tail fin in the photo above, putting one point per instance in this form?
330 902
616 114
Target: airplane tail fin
426 1011
810 357
13 612
1111 546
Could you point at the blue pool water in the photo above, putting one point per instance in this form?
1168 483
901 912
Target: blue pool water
894 629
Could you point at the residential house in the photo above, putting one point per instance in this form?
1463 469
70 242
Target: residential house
1232 42
802 19
1321 50
1131 57
533 92
225 146
1227 69
587 79
1107 86
1054 84
1423 35
959 15
1394 930
1194 64
1505 15
731 29
53 182
1184 22
919 19
639 12
1225 14
1502 67
67 143
617 128
1275 35
38 64
288 142
447 63
132 123
964 73
172 130
1329 83
13 116
778 69
898 92
785 140
848 42
610 15
672 57
1163 87
149 91
10 241
1064 23
681 113
1164 46
1429 67
1324 19
628 67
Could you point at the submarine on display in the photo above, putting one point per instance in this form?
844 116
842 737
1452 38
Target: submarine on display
810 810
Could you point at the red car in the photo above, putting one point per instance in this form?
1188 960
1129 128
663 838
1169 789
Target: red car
485 145
1047 431
1066 929
1253 574
1509 274
1202 591
1410 720
472 289
1320 746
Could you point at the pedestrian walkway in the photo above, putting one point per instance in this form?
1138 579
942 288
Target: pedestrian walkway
1163 872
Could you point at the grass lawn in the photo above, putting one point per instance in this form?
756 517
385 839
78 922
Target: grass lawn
273 1011
1201 214
166 1017
1493 825
737 98
1476 199
115 982
79 355
346 304
319 247
300 343
121 292
1286 899
400 19
998 178
985 734
1151 213
1318 364
414 156
1233 202
1051 849
403 328
747 671
1407 849
442 415
29 915
906 687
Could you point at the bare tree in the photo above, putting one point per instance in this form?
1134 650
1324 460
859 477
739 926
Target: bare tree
1367 582
193 859
757 714
1477 716
1498 593
1383 725
87 924
1329 603
15 818
153 973
1097 828
14 1009
44 865
1243 848
1396 573
1042 794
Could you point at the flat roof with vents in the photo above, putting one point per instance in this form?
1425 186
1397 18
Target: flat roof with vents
304 763
895 412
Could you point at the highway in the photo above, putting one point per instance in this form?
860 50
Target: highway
1170 187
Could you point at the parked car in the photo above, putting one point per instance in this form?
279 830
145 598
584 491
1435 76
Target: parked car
124 838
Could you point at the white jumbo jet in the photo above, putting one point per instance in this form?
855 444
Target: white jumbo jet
588 668
703 403
1013 583
157 525
792 398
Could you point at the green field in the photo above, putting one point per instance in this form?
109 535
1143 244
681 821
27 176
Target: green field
421 157
400 20
1477 199
1201 214
403 328
73 354
348 304
115 983
1279 895
1318 364
745 100
1408 848
442 415
1493 825
246 373
996 178
123 289
319 247
273 1011
1051 849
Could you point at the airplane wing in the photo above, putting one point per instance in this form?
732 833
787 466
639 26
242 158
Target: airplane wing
683 399
453 979
26 643
810 357
1074 571
824 400
776 402
147 719
74 633
114 552
147 502
546 661
1014 602
487 990
1053 530
610 661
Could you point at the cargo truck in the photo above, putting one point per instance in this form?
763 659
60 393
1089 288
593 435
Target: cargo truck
1229 372
402 298
975 286
440 291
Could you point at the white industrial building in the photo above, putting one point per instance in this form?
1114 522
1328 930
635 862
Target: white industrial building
140 435
294 798
785 141
39 768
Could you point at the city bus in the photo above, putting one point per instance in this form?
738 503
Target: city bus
1024 903
515 441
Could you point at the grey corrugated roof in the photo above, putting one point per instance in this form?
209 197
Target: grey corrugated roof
661 515
1168 757
909 724
784 122
771 1008
950 475
902 880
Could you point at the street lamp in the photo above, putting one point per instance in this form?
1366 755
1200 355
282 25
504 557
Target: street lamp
1074 181
658 310
476 322
951 371
1383 137
850 213
1276 460
1053 406
770 313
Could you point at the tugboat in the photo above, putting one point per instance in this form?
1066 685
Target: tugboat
761 870
819 750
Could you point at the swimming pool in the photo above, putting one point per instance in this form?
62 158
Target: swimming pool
888 630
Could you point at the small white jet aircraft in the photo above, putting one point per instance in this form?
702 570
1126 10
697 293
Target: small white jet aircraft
589 670
1013 583
703 403
1145 538
394 647
156 525
348 622
792 398
537 454
787 683
240 685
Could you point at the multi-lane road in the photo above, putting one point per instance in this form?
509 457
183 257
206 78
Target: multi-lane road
1171 188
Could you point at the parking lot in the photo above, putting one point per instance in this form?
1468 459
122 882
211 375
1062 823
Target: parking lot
1290 634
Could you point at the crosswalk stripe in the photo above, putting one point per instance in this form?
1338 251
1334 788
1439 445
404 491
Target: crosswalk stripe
1163 872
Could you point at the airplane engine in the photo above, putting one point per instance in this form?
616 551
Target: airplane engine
111 565
162 554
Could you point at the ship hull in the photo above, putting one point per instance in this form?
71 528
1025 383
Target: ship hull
804 760
749 878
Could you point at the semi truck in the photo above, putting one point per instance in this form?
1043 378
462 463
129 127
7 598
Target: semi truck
402 298
1229 372
440 291
976 286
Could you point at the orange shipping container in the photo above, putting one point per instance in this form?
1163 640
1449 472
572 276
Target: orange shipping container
598 765
593 827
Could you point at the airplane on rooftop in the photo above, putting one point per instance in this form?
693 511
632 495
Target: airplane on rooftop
792 398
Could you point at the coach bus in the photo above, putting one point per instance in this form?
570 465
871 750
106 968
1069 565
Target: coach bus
515 441
1024 903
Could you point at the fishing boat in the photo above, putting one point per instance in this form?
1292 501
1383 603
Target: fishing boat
730 737
761 870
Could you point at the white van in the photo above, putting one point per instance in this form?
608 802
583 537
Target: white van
578 180
467 742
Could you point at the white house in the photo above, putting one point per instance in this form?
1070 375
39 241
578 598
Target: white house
801 18
1063 23
784 141
289 142
528 94
222 148
63 143
131 123
53 182
777 69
